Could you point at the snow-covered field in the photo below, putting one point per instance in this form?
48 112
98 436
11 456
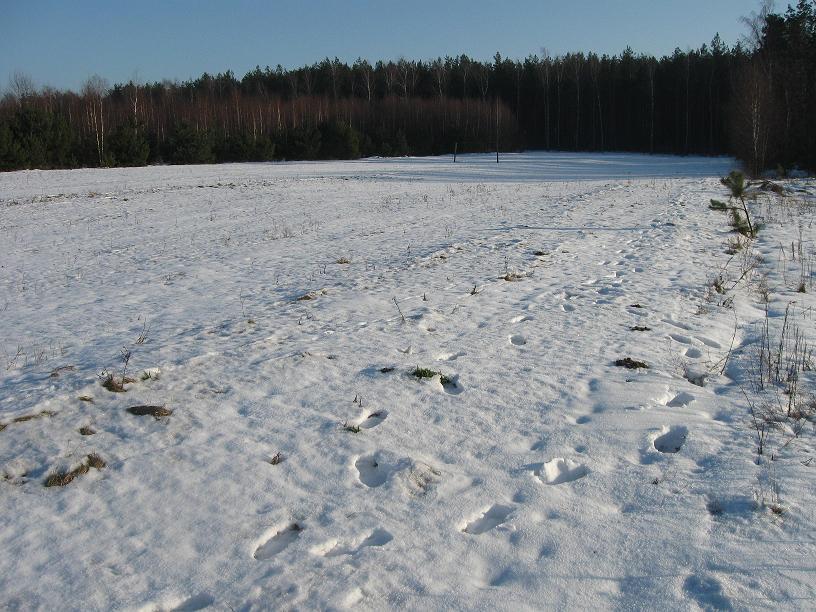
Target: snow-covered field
304 466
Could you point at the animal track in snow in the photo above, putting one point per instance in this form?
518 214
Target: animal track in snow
694 353
671 440
489 519
277 542
560 470
518 340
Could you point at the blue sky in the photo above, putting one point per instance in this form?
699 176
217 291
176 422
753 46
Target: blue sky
61 43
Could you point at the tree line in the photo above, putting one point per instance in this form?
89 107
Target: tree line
753 100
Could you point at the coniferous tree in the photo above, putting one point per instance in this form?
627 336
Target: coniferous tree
189 146
128 146
755 101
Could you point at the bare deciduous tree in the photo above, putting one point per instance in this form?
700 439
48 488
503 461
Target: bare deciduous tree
94 91
21 86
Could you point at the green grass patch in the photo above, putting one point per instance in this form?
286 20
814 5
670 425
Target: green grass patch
424 372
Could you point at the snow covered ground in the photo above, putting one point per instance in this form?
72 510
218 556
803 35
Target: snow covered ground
280 312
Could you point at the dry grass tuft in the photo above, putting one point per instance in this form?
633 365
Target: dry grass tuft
630 364
311 295
28 417
60 479
31 417
113 385
156 412
95 461
57 371
350 427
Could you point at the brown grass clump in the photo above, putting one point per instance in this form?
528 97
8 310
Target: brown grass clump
95 461
86 398
156 412
28 417
312 295
60 479
57 371
86 431
116 386
31 417
630 364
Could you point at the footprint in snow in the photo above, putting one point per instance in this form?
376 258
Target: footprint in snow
681 399
373 419
489 519
378 537
450 356
560 470
709 342
707 592
194 603
671 440
371 471
521 319
567 307
451 385
677 324
675 400
518 340
278 541
694 353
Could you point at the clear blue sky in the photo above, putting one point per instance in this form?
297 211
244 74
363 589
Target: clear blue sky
62 42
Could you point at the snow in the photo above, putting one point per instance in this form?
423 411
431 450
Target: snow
304 466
